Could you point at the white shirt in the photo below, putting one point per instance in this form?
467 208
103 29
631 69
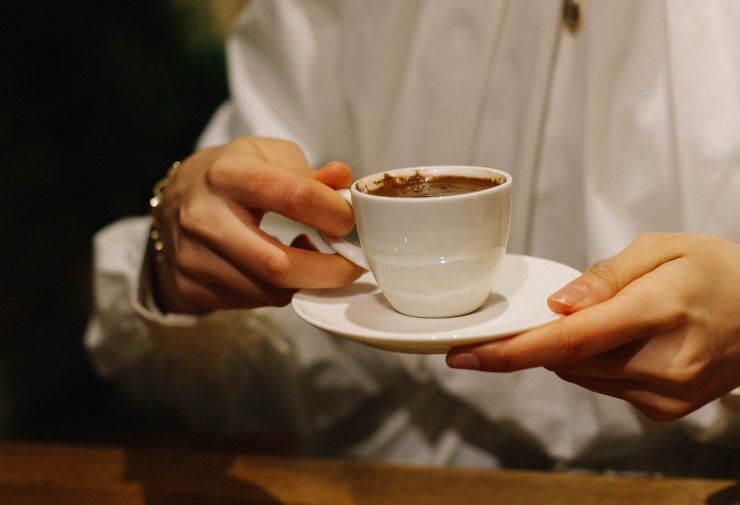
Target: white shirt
630 125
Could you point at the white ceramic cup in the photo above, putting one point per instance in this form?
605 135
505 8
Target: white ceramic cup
433 256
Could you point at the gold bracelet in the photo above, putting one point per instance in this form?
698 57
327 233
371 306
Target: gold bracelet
155 234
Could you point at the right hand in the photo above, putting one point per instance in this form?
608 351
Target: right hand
210 213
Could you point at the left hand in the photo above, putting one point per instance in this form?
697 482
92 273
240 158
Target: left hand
657 325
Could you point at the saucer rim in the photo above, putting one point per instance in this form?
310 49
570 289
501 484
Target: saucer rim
448 339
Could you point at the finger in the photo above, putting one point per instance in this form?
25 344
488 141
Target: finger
290 156
618 364
606 278
266 187
278 152
198 262
240 241
655 405
624 318
190 296
335 174
665 360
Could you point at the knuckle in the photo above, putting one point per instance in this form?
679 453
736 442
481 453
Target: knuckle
277 268
187 219
297 198
221 172
685 375
675 315
604 271
187 289
570 348
187 258
693 371
498 358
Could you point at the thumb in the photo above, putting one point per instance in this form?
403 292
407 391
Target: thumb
606 278
335 174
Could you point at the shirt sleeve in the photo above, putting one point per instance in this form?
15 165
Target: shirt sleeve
228 370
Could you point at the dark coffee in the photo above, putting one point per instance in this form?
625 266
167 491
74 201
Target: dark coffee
425 186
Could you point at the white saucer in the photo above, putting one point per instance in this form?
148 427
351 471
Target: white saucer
518 302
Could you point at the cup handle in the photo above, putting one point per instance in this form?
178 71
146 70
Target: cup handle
341 246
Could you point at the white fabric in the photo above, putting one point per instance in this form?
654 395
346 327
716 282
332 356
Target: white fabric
631 125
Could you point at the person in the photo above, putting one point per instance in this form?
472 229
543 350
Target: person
620 131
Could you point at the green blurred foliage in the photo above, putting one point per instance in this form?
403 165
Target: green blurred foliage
96 100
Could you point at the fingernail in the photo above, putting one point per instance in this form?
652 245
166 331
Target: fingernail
570 295
466 360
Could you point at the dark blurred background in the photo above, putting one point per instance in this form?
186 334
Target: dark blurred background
97 98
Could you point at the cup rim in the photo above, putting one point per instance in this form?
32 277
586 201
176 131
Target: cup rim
400 171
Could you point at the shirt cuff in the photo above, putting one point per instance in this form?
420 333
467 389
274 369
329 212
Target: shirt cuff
144 302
